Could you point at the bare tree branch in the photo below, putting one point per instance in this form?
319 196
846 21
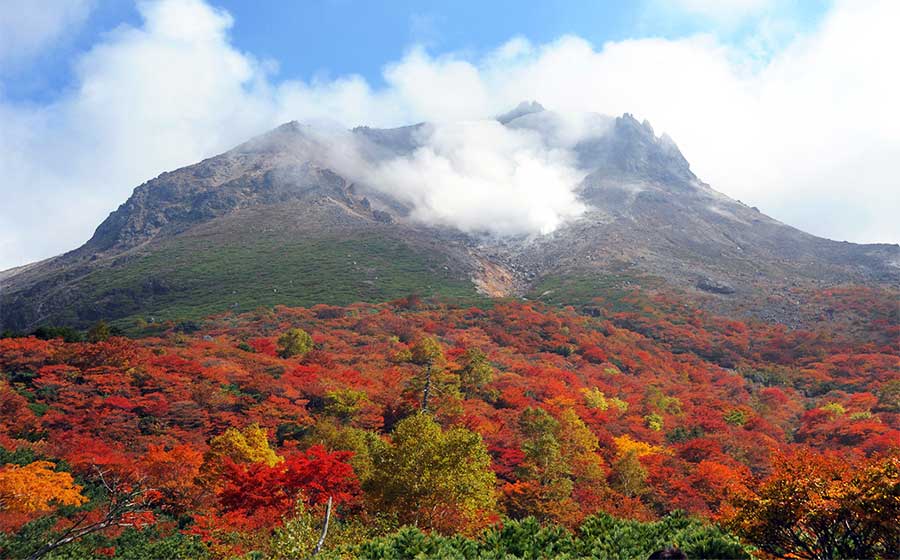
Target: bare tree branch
123 499
321 542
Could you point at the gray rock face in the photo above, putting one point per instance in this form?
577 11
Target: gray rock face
524 108
632 151
715 286
395 141
648 215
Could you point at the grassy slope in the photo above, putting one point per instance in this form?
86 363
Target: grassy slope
192 277
582 287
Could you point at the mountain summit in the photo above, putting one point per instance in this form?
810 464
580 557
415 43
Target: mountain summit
522 109
302 215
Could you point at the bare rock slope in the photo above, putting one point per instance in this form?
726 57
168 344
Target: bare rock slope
274 221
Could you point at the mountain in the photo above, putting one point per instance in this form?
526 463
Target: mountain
281 220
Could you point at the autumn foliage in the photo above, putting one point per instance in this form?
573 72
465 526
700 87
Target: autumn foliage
36 488
638 408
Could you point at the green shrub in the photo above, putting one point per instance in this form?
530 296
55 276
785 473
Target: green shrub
294 342
600 536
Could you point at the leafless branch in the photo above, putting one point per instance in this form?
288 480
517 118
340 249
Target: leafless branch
321 542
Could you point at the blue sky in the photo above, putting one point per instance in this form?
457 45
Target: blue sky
786 105
307 39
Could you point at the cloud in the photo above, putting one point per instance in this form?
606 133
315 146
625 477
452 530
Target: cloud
146 100
480 176
26 28
810 134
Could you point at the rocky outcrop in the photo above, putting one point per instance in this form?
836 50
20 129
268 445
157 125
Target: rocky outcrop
648 215
715 286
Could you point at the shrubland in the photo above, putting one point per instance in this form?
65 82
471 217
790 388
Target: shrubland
513 430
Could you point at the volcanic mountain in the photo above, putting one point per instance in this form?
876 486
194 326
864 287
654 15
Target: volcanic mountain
281 220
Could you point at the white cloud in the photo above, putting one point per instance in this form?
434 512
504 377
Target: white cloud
146 100
810 136
480 176
28 27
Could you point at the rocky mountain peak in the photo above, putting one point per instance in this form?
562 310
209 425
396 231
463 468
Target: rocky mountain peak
631 151
648 216
522 109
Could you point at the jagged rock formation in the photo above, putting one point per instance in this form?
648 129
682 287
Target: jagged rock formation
273 221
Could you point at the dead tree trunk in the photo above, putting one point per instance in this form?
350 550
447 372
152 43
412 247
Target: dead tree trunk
427 391
321 542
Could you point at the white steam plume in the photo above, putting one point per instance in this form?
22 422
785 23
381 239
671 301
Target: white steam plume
810 134
480 176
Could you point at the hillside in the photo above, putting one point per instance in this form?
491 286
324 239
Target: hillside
278 220
547 416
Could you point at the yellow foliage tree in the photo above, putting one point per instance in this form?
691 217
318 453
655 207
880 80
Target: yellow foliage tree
427 352
33 488
250 445
295 342
434 478
561 471
594 398
579 445
629 476
625 445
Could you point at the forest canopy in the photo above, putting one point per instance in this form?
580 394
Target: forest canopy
515 429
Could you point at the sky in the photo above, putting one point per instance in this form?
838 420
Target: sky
789 106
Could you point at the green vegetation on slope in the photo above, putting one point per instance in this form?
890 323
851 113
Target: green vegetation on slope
583 288
601 536
193 277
